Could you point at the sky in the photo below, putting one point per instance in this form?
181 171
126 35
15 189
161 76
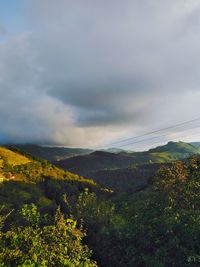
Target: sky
90 73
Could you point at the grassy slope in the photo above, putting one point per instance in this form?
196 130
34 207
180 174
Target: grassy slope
40 182
12 158
29 170
176 147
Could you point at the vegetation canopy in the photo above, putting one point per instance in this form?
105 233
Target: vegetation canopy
51 217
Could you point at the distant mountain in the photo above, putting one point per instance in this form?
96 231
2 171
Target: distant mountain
115 150
115 165
98 160
51 153
195 144
177 148
90 165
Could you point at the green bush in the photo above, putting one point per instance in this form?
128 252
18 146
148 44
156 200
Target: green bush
59 244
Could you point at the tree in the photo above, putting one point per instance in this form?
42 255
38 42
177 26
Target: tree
59 244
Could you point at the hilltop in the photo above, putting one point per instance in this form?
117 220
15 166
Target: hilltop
112 168
185 149
99 160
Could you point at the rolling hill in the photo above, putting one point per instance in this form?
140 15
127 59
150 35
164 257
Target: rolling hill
27 180
140 208
90 165
112 168
182 148
196 144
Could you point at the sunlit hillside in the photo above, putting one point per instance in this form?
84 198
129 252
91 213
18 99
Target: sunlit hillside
12 158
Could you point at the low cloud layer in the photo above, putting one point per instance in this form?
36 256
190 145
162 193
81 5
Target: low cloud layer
89 72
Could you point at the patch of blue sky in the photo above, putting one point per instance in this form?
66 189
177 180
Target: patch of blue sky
13 19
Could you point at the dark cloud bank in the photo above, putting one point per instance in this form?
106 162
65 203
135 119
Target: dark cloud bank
93 71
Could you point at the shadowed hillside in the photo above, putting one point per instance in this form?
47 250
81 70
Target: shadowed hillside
50 153
90 165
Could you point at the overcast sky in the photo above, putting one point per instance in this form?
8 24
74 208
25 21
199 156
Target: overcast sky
88 72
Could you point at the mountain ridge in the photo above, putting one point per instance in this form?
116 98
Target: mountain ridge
89 165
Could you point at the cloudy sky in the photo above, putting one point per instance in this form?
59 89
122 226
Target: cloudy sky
88 72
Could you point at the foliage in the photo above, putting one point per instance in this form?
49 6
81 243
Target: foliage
59 244
116 170
164 229
146 223
156 227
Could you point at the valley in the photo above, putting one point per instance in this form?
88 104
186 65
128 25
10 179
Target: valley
122 170
113 196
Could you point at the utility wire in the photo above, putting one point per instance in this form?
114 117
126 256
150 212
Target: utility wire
155 137
176 138
140 147
149 133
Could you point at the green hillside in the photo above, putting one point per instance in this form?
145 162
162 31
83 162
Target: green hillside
32 194
152 220
85 160
45 211
176 148
24 179
90 165
195 144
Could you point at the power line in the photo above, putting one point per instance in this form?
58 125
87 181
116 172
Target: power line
160 143
149 139
155 137
152 132
160 136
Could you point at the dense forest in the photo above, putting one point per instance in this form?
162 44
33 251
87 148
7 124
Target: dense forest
51 217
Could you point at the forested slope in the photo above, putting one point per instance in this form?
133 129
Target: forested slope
42 205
